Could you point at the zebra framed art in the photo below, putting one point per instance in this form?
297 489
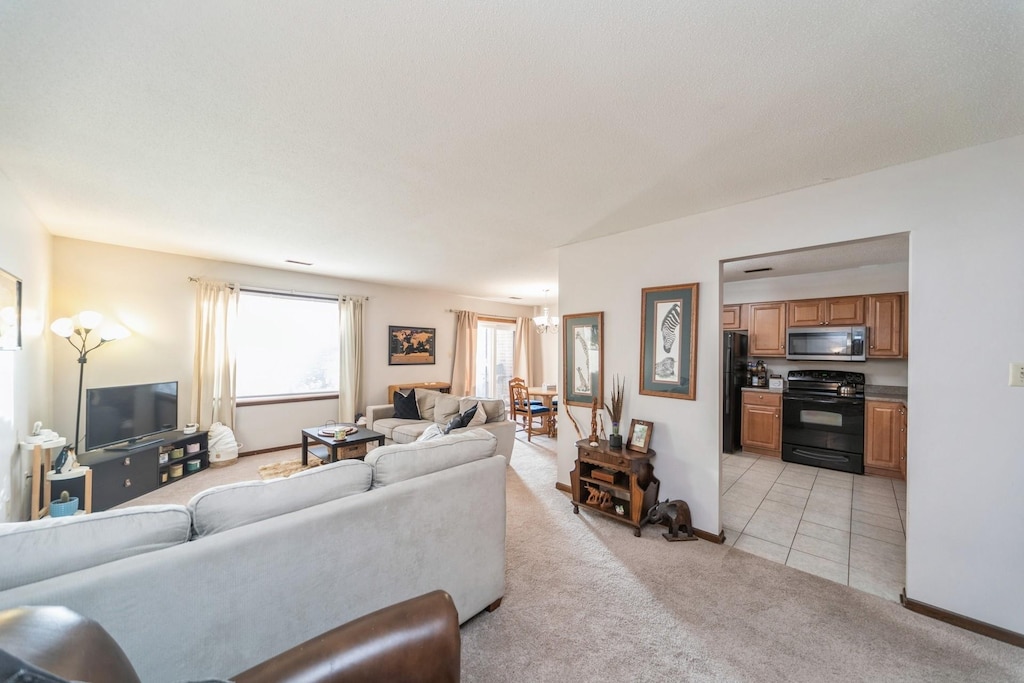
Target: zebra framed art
668 341
583 358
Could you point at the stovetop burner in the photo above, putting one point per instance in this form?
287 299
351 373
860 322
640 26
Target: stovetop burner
824 382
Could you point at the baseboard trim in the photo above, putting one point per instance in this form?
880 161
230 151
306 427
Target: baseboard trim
699 533
270 450
708 536
966 623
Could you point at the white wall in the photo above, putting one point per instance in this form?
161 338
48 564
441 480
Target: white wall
24 374
149 293
965 465
878 279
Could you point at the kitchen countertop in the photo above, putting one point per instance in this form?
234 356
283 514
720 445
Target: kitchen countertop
763 390
882 392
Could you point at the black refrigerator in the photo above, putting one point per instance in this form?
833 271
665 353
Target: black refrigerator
734 362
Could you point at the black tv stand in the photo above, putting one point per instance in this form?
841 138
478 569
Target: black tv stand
132 445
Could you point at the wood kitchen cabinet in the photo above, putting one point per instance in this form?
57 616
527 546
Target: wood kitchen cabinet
734 317
761 426
885 313
766 329
842 310
885 438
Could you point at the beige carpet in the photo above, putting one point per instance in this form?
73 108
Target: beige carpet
586 601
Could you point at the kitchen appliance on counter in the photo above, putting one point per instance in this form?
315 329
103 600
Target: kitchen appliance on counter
734 362
827 343
823 419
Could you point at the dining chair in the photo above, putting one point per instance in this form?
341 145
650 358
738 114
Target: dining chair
523 407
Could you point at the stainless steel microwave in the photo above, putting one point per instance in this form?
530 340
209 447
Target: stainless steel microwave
827 343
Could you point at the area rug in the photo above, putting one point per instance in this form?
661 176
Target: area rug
286 468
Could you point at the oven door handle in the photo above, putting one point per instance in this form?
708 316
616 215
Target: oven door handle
819 456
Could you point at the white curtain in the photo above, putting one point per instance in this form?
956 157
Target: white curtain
350 383
464 364
528 362
213 367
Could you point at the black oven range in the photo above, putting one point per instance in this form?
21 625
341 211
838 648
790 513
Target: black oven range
823 419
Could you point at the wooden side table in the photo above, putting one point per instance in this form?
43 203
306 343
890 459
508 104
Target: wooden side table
443 387
626 476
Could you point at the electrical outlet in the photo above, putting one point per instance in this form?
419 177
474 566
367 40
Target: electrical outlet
1017 374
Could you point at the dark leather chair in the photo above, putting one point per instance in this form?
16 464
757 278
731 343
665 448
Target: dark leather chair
415 641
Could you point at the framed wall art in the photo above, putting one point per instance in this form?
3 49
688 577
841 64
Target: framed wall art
411 345
640 432
10 312
668 341
583 348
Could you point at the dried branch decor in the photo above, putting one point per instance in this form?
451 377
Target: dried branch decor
615 409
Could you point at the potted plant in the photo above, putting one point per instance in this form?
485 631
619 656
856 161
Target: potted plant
615 411
65 506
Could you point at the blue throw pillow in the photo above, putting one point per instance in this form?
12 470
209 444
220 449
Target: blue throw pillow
405 406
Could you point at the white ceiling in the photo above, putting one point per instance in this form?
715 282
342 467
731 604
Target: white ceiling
840 256
457 145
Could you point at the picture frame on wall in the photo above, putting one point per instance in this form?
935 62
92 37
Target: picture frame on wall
409 345
640 432
10 312
668 341
583 358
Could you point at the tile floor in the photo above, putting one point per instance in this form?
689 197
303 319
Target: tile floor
847 528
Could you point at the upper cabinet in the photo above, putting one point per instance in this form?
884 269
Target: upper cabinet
886 331
766 329
733 317
843 310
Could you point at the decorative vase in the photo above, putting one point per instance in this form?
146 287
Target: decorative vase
615 440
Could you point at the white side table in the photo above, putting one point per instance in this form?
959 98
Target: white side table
43 476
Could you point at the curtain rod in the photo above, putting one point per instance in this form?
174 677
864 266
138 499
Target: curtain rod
483 315
292 293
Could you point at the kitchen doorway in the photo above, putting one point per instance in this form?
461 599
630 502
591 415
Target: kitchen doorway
847 527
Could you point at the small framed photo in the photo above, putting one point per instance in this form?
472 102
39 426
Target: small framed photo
410 345
639 435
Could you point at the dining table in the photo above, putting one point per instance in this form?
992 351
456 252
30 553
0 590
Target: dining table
548 396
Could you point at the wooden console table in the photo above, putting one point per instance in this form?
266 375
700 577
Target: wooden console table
626 476
443 387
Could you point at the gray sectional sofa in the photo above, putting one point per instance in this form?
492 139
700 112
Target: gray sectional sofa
249 570
438 409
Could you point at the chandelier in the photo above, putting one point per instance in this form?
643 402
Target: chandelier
545 322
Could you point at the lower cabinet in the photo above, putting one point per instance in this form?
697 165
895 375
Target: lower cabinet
761 426
120 476
885 439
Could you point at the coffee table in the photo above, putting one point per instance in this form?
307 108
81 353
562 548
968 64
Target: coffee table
331 450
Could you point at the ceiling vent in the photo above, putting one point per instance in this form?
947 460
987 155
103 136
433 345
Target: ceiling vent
298 263
757 270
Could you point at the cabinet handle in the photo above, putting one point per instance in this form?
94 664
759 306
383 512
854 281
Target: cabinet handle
127 483
128 461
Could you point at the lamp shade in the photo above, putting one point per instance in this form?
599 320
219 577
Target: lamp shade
113 332
89 320
63 327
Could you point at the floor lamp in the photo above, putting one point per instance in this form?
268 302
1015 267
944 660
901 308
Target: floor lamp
80 326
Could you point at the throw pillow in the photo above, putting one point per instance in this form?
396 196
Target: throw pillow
454 423
405 406
431 432
479 416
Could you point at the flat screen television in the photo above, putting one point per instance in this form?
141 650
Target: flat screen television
128 414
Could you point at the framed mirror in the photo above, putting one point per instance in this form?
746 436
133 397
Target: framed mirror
10 312
583 349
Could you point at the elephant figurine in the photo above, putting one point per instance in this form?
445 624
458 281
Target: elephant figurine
676 514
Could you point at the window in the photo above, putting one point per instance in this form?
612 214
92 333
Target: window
495 350
286 345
